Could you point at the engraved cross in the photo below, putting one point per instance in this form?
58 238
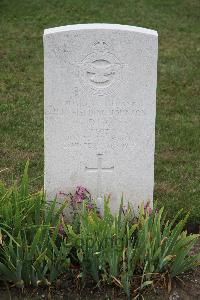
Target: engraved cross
99 170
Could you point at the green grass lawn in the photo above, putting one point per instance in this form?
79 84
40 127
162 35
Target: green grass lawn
177 157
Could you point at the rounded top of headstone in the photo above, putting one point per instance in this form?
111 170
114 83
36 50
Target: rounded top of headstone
100 26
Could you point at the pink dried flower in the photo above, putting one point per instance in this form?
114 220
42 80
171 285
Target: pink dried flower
81 194
61 229
90 206
60 193
147 208
78 198
81 190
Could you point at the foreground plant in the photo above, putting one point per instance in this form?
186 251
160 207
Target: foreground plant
18 208
35 262
100 242
166 246
37 244
33 249
123 247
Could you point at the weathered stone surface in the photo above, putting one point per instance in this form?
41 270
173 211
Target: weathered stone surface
100 108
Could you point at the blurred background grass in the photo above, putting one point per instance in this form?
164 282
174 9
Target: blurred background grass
177 157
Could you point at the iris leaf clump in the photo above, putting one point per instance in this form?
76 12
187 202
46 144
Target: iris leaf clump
130 250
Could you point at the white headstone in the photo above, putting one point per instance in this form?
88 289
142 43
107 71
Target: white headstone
100 107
